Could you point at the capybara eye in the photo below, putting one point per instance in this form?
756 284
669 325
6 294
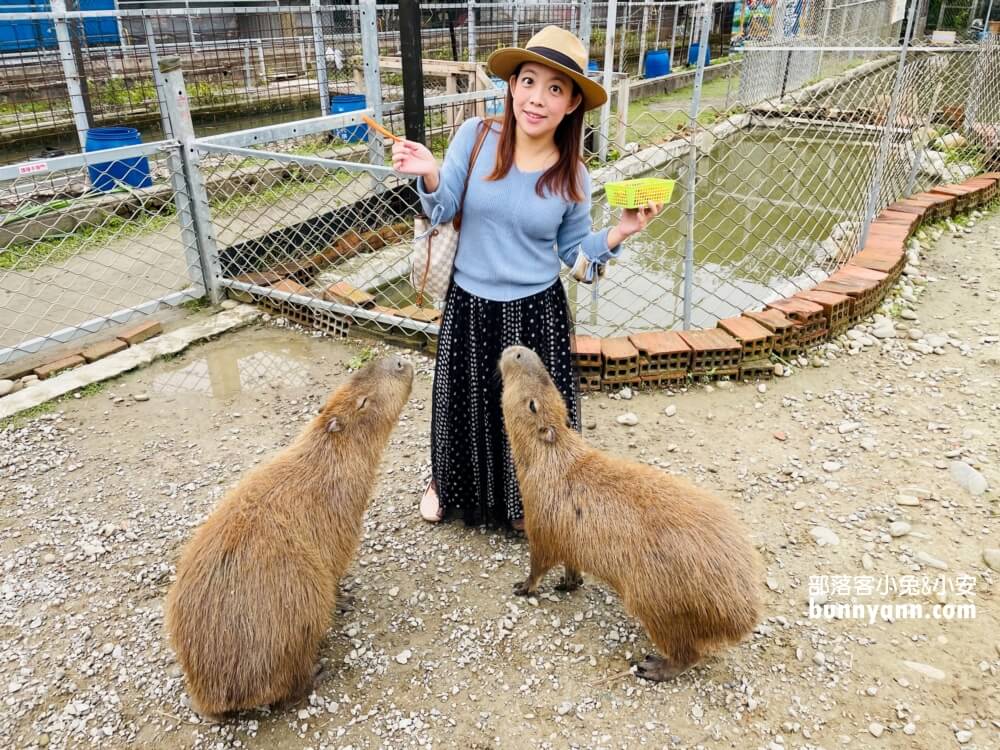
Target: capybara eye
362 402
532 406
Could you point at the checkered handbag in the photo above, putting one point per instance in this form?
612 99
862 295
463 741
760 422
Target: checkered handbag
432 259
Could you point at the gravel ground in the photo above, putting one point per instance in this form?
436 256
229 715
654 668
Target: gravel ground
867 464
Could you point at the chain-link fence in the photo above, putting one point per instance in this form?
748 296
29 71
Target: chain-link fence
90 242
259 62
780 163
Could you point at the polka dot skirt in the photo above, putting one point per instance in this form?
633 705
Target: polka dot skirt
470 456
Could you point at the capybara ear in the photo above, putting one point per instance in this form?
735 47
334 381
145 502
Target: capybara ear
334 425
548 434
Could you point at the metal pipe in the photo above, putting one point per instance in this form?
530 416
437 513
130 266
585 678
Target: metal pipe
609 63
179 109
319 52
890 123
692 176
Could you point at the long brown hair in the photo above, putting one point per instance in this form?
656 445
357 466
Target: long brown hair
562 178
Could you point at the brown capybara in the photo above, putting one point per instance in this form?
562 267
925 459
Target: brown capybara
257 584
677 556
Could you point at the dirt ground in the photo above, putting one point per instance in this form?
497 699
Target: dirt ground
844 473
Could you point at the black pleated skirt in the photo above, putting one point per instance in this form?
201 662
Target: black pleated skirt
470 455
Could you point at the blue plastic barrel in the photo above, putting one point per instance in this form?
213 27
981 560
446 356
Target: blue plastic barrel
109 175
99 30
657 63
592 66
17 35
349 103
693 54
494 108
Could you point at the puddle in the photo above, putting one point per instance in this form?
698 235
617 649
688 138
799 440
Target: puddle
223 370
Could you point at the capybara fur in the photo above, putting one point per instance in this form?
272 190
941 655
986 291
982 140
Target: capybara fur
678 557
256 585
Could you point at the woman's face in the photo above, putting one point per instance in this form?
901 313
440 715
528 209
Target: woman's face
542 98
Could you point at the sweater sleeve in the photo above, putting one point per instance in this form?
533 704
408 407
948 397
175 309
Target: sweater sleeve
442 205
576 235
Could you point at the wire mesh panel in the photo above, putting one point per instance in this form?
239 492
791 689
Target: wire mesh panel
85 246
324 241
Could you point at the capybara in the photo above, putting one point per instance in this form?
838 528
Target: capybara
678 557
256 585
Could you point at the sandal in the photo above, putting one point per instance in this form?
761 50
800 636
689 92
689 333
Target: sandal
430 504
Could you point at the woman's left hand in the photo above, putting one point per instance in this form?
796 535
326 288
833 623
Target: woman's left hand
634 220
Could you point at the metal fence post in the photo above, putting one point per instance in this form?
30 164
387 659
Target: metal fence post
319 52
247 69
827 10
624 38
911 181
514 15
70 71
642 34
199 234
472 30
584 31
373 80
673 35
154 64
692 175
621 104
890 124
413 76
609 63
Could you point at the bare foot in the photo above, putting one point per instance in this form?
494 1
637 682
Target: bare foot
517 524
430 504
658 669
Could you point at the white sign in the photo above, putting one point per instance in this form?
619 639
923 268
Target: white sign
38 166
898 11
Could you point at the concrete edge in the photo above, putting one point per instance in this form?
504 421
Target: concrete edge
129 359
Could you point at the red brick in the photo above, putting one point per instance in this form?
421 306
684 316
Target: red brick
51 368
621 361
102 349
786 332
713 352
423 314
809 316
585 346
664 357
344 292
839 308
134 334
756 340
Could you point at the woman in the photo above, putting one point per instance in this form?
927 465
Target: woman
526 208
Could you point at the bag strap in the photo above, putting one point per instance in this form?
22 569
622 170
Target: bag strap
484 128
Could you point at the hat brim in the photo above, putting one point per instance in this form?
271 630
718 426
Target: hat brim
504 62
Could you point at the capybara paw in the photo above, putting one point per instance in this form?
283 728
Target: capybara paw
523 588
658 669
345 603
569 583
320 674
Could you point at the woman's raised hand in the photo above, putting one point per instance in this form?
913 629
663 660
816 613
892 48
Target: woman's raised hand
410 157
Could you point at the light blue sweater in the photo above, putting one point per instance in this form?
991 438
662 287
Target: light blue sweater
511 240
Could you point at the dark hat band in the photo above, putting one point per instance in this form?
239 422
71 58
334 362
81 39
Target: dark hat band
557 57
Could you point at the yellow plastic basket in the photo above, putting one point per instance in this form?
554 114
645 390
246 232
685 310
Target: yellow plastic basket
635 193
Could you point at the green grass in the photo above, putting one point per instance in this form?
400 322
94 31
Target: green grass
55 249
360 359
646 126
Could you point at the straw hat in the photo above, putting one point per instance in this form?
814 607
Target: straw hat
558 49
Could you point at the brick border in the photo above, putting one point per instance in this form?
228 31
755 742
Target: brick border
123 339
741 346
